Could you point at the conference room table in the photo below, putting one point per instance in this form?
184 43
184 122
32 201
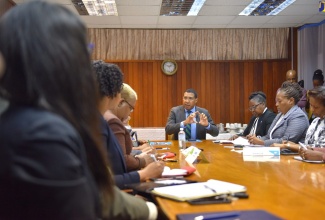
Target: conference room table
287 188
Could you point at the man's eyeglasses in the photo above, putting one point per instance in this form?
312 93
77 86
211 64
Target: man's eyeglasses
131 107
252 108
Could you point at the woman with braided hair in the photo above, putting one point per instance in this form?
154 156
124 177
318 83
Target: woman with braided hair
291 123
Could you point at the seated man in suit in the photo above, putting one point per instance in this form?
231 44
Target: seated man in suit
196 121
262 116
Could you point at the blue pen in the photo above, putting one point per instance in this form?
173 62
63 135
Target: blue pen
217 216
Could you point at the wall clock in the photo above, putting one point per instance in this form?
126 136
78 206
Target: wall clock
169 66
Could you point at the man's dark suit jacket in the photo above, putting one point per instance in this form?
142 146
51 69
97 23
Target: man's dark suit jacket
43 172
116 158
263 124
177 115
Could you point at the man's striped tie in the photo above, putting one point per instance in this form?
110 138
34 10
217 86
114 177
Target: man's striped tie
188 128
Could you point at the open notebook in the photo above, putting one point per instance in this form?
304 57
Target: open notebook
192 191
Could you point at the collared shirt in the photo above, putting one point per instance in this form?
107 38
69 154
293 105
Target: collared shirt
193 125
253 129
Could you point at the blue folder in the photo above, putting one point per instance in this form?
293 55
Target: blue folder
243 215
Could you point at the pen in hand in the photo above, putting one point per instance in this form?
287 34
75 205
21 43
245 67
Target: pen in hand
153 157
303 146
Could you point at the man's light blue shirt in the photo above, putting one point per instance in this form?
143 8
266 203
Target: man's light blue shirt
193 125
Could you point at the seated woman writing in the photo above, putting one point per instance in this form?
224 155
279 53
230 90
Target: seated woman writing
291 123
114 118
315 137
262 116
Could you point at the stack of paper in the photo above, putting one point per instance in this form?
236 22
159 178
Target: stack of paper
241 141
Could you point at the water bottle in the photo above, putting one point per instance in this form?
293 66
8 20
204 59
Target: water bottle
181 139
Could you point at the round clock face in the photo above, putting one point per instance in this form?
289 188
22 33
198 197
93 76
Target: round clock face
169 67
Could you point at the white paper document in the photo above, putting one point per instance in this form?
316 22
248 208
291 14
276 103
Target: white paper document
173 172
241 141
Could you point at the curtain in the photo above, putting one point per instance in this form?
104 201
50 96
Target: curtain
311 49
206 44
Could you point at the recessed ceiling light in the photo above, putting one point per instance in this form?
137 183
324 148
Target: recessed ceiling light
266 7
196 7
95 7
181 7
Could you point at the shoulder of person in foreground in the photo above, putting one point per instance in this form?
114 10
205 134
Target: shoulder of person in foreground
126 206
38 140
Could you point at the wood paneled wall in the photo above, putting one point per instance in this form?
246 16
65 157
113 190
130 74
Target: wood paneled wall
223 87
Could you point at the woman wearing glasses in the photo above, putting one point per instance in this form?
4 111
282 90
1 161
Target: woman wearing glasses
262 116
291 123
115 118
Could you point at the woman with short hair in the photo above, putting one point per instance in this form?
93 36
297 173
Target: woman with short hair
114 117
262 116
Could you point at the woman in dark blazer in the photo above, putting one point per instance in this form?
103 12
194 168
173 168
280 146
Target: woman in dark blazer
262 116
53 164
47 131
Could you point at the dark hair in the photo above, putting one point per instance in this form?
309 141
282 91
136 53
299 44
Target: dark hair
318 75
291 90
258 96
48 66
192 91
318 93
109 77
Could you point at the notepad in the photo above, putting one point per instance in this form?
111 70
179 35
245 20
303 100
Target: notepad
198 190
308 161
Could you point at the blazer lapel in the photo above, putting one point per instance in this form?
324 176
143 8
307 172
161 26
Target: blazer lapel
182 113
286 116
260 120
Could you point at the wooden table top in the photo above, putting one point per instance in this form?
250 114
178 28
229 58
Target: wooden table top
290 189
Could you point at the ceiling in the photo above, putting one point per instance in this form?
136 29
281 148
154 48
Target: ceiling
144 14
